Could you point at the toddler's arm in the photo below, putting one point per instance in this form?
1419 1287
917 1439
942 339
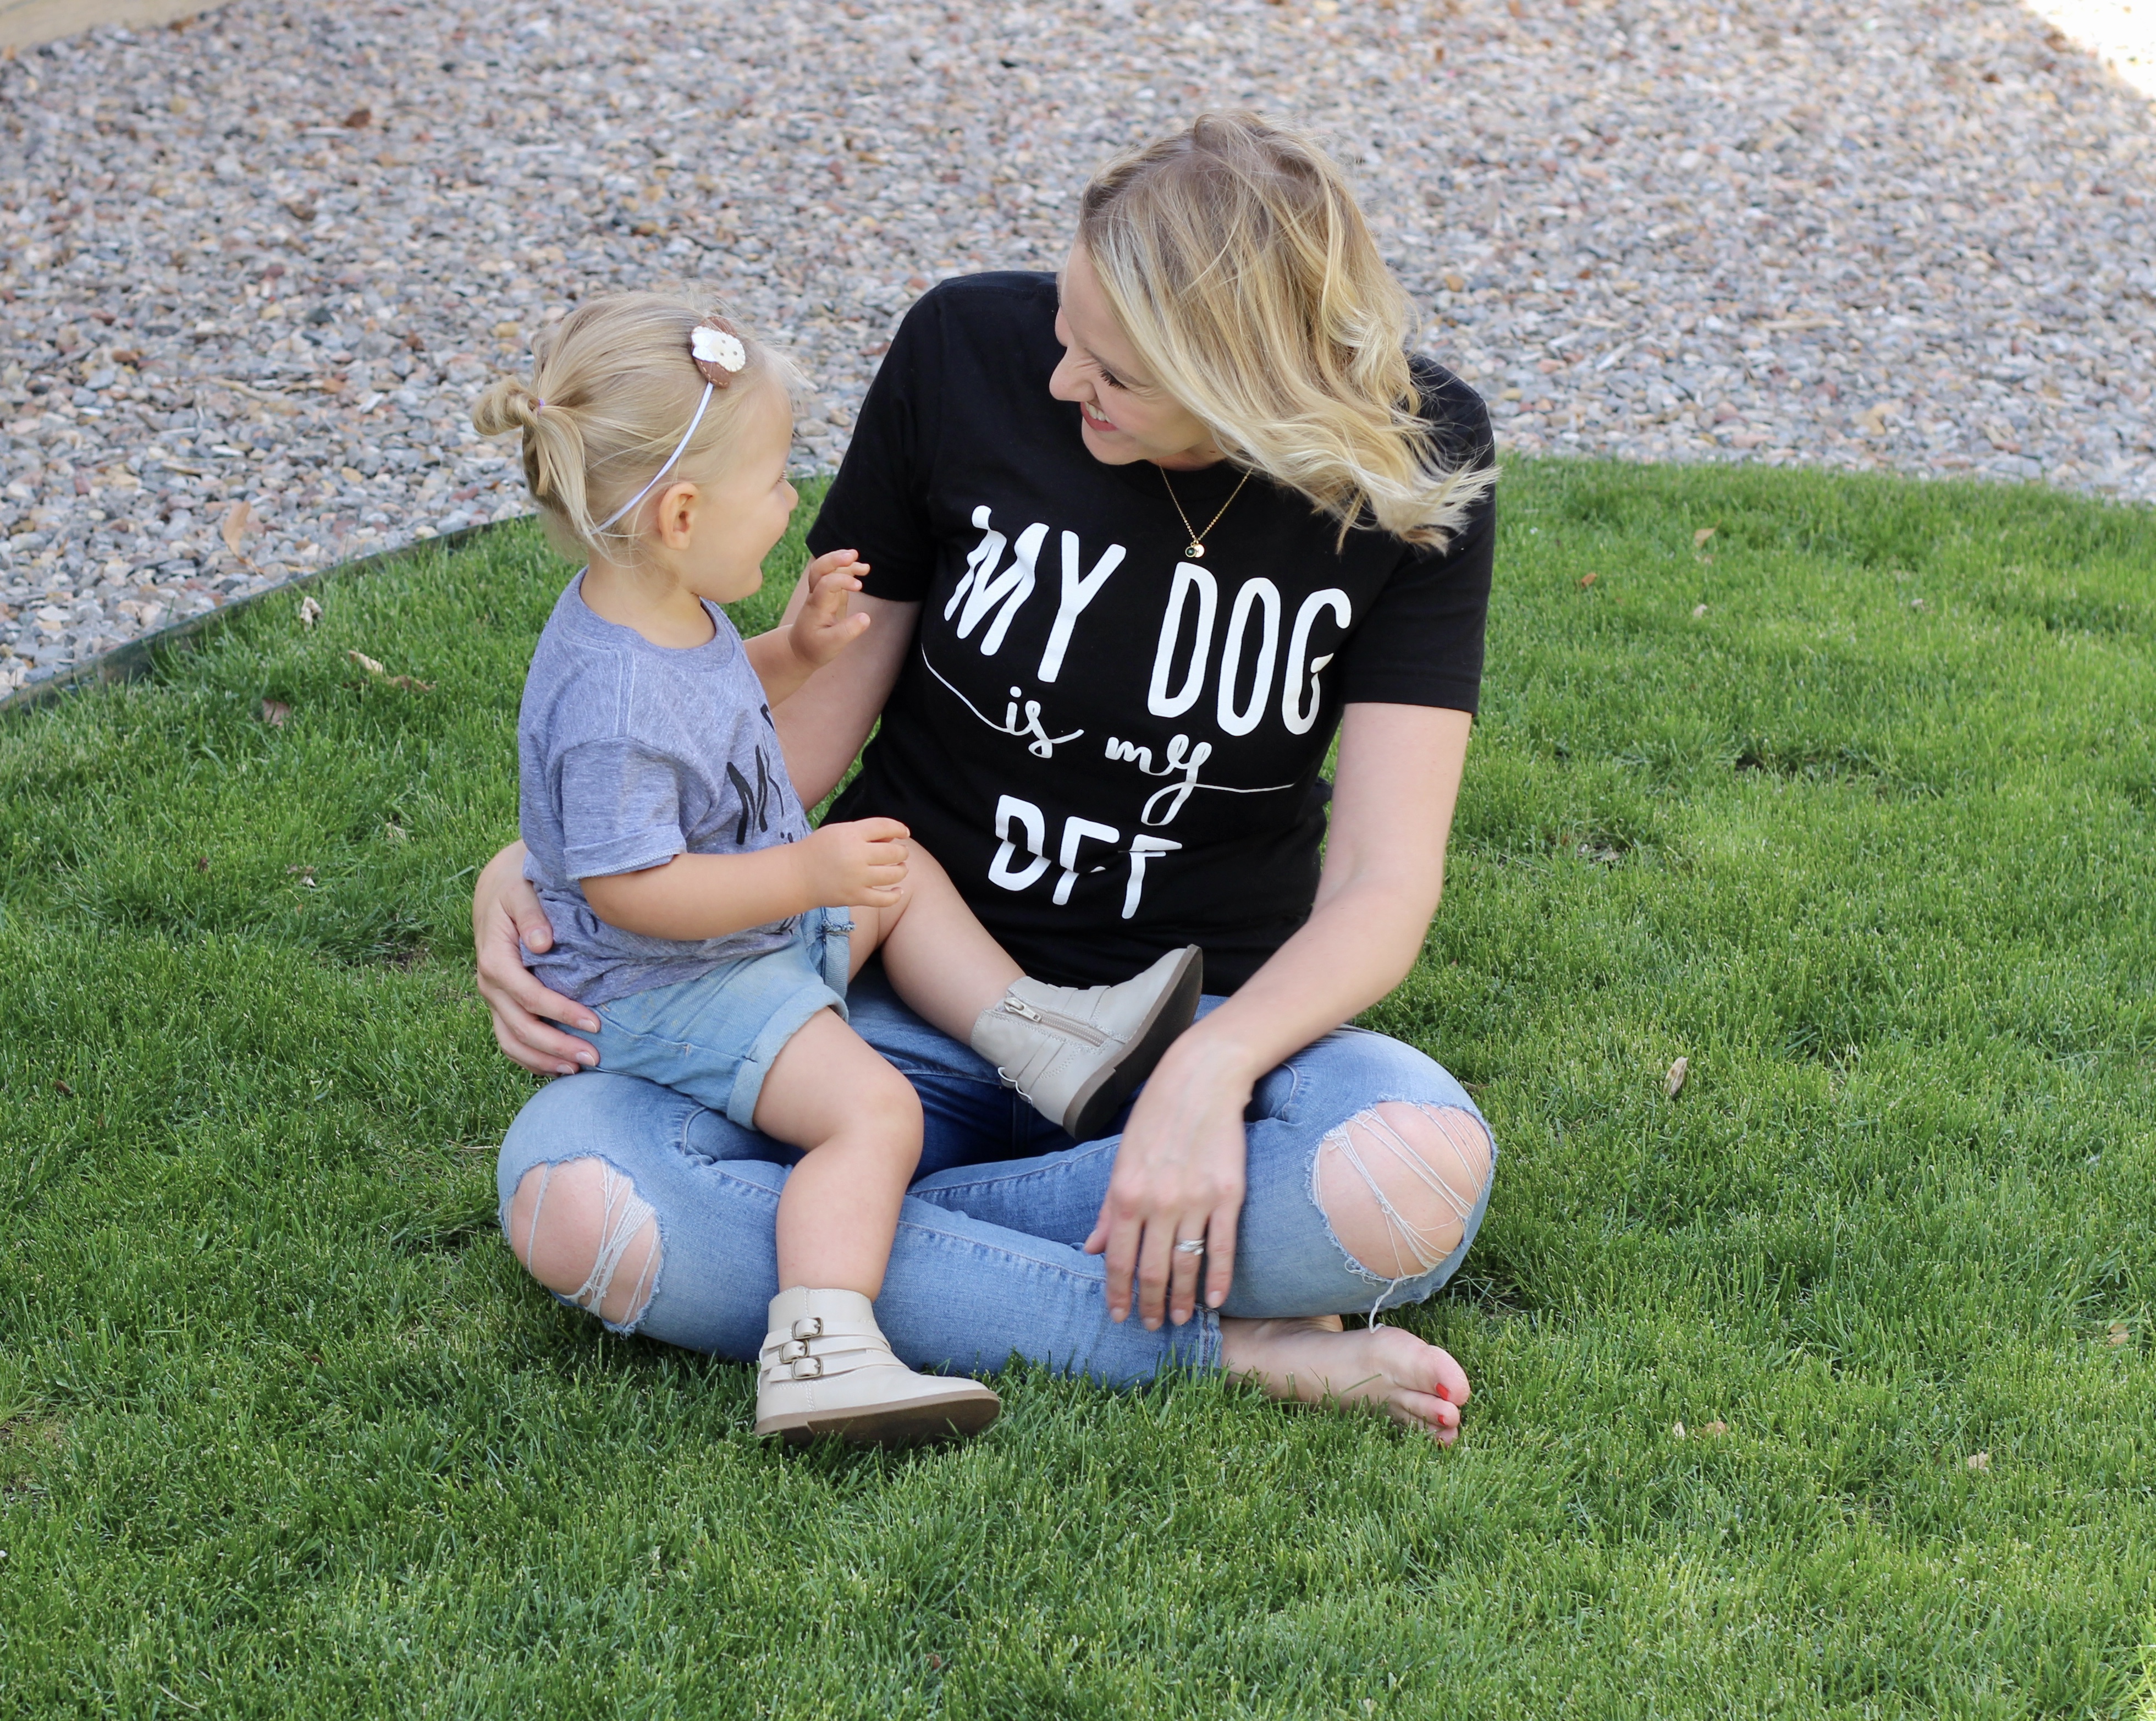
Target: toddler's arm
859 863
786 656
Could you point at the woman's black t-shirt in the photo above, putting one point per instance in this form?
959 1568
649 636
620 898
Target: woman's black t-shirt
1114 750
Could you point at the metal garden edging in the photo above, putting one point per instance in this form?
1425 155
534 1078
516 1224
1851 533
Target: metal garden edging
132 660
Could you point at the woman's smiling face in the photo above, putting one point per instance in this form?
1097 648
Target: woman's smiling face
1123 415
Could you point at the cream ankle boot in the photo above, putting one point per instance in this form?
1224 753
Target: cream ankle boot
826 1369
1077 1054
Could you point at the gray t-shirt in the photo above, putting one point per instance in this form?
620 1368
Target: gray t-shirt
628 754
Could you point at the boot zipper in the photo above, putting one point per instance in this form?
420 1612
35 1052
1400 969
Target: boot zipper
1049 1019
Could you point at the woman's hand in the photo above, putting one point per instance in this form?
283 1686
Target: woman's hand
1179 1175
505 911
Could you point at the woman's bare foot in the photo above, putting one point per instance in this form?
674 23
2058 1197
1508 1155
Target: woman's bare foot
1313 1361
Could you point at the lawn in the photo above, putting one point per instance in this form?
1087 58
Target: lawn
1867 839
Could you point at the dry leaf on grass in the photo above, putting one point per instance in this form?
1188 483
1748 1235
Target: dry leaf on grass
1697 611
275 711
201 863
310 612
2120 1334
1587 579
1700 537
411 684
1678 1431
1718 1426
1980 1461
1673 1083
238 521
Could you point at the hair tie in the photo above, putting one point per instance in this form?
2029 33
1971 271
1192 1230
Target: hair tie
541 406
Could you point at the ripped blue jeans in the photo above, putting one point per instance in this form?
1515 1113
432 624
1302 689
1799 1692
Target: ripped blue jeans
988 1262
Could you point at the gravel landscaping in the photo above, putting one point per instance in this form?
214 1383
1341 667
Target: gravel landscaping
255 267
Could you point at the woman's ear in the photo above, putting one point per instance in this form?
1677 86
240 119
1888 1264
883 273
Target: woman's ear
677 515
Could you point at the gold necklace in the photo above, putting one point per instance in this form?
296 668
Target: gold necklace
1195 549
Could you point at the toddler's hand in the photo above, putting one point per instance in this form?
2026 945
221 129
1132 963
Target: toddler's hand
823 628
858 863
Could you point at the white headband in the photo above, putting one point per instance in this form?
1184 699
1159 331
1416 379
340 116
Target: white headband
679 448
719 356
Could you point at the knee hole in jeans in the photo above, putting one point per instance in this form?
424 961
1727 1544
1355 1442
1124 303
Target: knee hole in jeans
1398 1182
581 1228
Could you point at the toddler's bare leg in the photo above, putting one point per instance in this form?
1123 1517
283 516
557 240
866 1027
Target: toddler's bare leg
829 1092
825 1366
940 960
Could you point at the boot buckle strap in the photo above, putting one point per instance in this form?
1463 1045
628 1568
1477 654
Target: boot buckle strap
792 1350
809 1326
807 1367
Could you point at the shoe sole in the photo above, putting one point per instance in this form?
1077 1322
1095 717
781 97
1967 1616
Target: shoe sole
918 1422
1099 1099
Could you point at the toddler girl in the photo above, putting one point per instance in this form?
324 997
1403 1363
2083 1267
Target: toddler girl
695 912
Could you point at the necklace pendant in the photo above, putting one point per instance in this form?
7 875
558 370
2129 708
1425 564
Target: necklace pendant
1196 552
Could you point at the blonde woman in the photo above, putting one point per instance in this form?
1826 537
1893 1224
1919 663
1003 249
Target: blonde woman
1143 537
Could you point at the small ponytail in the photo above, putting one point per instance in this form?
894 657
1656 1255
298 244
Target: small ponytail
553 447
613 389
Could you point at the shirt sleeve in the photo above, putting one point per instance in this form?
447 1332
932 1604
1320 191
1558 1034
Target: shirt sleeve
621 808
1422 642
878 503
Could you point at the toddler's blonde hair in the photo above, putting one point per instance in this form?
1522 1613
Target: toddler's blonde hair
1237 264
613 390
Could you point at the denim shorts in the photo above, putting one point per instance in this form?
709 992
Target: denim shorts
714 1038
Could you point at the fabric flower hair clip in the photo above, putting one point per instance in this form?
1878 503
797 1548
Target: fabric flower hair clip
718 351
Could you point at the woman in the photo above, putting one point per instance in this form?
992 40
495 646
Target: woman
1140 541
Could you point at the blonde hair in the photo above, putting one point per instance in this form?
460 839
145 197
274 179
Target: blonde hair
1237 264
613 391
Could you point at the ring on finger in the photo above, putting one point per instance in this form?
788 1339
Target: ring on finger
1190 1246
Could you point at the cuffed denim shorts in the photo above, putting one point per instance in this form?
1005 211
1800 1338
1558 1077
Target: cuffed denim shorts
714 1038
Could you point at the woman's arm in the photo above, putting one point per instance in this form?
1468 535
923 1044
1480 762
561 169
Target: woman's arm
1179 1172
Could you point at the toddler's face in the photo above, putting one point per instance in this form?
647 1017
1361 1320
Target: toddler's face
744 510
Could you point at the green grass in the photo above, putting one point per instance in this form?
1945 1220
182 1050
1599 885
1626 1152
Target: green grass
287 1433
